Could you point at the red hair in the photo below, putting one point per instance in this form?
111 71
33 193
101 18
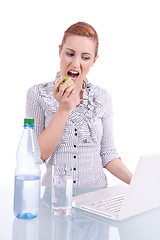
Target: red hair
82 29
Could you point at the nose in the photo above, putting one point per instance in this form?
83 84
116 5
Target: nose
76 62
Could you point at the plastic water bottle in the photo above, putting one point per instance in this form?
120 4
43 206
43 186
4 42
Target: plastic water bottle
27 174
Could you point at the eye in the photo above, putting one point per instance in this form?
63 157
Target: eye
70 54
85 58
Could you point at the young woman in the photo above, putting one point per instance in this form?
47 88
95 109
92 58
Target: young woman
74 125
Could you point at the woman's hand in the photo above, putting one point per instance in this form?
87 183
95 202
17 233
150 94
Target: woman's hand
68 98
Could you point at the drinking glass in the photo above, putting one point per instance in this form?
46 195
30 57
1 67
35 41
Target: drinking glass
62 184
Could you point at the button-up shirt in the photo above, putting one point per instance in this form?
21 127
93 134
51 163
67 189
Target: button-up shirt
87 141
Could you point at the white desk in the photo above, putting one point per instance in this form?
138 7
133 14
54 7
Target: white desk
79 226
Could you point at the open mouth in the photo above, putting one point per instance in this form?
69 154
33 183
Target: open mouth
73 74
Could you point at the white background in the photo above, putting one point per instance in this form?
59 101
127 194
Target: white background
128 67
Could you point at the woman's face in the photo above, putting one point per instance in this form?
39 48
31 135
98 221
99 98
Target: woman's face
77 56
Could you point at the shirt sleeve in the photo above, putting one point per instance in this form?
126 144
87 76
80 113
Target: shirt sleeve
34 110
108 151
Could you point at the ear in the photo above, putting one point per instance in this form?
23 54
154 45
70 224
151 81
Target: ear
60 49
95 59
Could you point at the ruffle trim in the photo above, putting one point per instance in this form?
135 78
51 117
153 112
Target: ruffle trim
92 106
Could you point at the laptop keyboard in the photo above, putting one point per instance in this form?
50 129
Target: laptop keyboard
112 204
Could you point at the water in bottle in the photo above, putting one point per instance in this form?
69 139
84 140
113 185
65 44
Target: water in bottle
27 174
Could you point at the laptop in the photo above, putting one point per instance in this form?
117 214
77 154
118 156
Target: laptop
124 201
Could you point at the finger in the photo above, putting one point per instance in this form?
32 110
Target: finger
63 87
59 80
57 83
69 91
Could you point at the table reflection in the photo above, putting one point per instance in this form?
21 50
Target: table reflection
26 229
145 226
61 227
76 226
85 226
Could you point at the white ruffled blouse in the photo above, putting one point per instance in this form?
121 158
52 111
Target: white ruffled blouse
87 142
